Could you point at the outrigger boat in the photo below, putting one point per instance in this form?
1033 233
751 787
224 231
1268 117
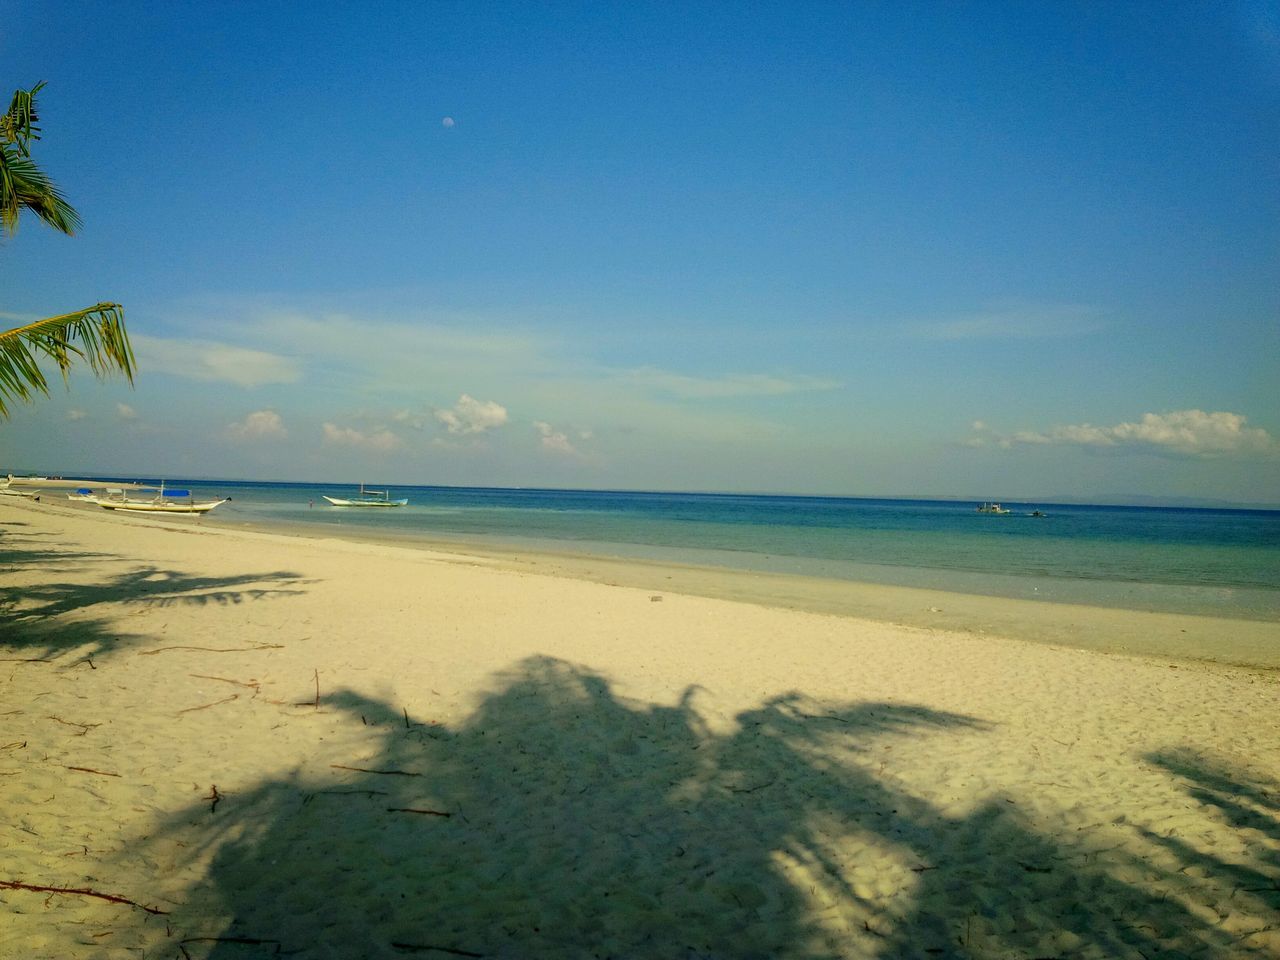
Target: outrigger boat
165 501
368 498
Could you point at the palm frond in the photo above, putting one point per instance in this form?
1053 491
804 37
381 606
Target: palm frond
18 123
24 186
96 336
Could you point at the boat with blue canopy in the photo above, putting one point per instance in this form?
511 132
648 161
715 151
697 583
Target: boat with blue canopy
164 501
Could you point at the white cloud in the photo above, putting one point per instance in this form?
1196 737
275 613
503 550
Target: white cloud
76 415
259 425
381 440
448 123
126 412
1188 433
731 385
410 419
469 415
208 360
553 439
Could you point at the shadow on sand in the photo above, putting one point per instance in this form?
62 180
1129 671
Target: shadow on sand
34 619
560 820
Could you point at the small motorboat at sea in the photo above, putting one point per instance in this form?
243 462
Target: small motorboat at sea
993 508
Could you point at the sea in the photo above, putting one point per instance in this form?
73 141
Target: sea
1215 562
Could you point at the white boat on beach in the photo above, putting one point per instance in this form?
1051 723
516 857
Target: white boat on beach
8 491
165 501
368 498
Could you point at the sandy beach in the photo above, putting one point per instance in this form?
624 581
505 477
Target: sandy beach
228 743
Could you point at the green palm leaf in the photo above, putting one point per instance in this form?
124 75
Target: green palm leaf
24 186
18 124
95 336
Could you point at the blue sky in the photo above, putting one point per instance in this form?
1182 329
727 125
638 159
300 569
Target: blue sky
857 248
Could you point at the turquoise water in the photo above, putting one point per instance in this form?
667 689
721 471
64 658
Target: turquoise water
1221 562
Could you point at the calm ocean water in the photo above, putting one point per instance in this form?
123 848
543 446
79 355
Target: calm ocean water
1221 562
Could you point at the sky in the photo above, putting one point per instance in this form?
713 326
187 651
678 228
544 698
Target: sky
996 250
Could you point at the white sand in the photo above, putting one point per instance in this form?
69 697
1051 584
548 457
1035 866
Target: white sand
627 773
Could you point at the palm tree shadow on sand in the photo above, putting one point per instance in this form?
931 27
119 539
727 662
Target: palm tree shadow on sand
560 820
34 618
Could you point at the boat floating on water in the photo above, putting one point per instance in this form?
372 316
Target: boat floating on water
165 501
368 498
993 508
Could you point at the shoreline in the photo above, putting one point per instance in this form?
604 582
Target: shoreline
1248 642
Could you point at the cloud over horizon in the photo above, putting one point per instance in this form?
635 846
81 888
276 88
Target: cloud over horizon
554 440
259 425
470 416
379 439
210 361
1186 433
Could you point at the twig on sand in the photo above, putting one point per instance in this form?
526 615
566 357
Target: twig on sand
84 727
433 813
215 796
26 659
252 649
427 947
252 941
204 706
252 684
312 703
758 786
79 891
385 773
343 793
101 773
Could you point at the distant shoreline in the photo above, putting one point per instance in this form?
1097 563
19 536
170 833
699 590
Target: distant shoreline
1134 501
1232 641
